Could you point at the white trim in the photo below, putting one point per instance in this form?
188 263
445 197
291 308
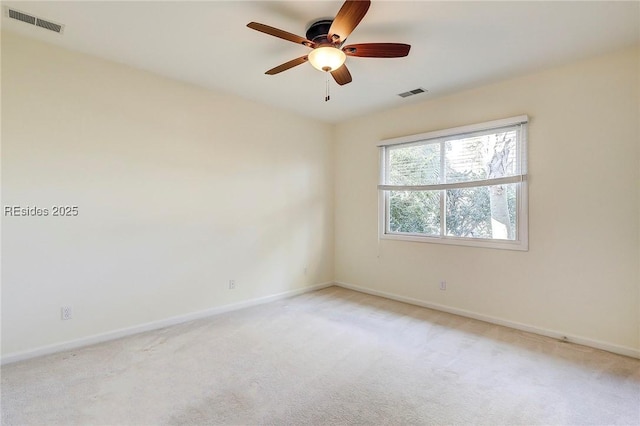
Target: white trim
579 340
521 240
383 209
518 245
154 325
505 122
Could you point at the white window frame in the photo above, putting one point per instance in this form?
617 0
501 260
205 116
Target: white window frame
521 241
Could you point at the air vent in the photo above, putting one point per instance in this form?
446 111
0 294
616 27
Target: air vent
49 25
412 92
33 20
22 17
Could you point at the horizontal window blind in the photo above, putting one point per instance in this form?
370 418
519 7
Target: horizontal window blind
458 131
445 160
470 184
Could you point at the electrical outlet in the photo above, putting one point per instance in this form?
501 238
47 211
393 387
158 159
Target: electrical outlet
232 284
66 313
443 285
305 270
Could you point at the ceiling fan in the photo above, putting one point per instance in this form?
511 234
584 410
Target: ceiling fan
326 37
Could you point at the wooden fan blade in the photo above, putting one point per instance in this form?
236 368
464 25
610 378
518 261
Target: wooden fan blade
348 17
342 75
292 63
377 50
280 33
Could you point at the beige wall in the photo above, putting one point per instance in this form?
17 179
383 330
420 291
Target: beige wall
179 189
580 277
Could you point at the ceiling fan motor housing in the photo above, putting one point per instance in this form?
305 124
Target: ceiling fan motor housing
318 32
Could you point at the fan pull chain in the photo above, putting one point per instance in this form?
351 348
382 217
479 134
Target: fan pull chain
327 95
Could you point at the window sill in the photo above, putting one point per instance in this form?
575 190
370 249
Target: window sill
481 243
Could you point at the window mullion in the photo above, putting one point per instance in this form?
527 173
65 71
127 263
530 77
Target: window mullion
385 177
443 192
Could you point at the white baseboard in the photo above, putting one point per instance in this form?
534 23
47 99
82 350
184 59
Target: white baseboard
597 344
116 334
154 325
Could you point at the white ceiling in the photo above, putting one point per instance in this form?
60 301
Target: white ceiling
455 45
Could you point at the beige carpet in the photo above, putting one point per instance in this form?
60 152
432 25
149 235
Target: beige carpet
329 357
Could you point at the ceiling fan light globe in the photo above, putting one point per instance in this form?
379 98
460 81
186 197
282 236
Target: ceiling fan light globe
327 58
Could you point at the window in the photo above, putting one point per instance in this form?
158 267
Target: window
464 186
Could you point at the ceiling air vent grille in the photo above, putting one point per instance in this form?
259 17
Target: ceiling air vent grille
412 92
22 17
49 25
34 20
